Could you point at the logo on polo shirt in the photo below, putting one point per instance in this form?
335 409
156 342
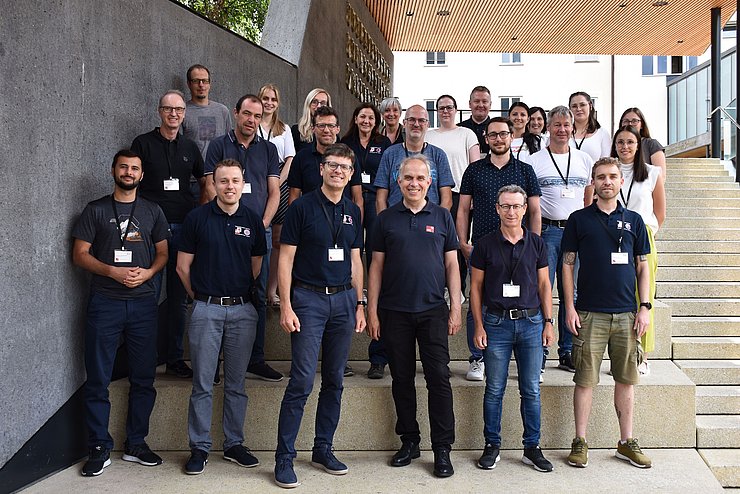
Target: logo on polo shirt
430 229
242 231
347 219
627 225
375 150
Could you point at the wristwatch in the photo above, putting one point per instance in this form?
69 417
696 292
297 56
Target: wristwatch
550 320
361 303
646 304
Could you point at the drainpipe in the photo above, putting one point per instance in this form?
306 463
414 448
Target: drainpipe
716 72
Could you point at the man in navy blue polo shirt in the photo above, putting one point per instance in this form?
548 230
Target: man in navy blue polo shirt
612 245
261 194
510 278
414 258
220 255
480 184
320 266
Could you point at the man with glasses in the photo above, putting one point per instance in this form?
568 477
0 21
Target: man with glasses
480 107
169 160
321 268
205 119
480 184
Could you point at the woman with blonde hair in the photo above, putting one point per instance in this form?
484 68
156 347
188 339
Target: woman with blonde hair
302 131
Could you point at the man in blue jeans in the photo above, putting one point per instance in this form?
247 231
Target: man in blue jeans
509 276
320 267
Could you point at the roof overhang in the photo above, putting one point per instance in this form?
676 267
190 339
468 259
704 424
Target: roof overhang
603 27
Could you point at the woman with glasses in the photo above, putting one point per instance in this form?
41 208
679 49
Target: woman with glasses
588 136
653 153
391 109
302 131
643 191
538 124
523 143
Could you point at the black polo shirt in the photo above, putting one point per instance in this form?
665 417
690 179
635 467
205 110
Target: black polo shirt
223 246
162 159
367 159
306 227
504 262
414 276
480 132
305 175
482 180
259 161
594 235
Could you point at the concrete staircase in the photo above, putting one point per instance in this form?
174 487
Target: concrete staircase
699 279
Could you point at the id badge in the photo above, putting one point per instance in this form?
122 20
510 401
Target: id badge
365 178
247 189
336 255
511 291
567 193
172 184
122 256
620 258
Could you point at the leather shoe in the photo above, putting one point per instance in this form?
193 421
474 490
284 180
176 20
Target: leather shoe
409 451
442 464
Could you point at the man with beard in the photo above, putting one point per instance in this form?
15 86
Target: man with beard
122 240
205 119
480 184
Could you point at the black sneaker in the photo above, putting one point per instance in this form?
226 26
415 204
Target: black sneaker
348 372
140 453
241 456
534 457
566 363
489 458
180 369
197 462
217 376
377 371
263 371
98 459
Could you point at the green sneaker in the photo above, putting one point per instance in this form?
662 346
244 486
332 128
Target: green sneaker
630 451
578 456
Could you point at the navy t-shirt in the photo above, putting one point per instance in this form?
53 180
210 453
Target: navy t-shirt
367 159
480 132
305 174
414 276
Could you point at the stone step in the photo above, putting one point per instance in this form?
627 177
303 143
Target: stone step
693 161
718 431
705 177
697 172
691 259
675 194
711 372
696 273
679 211
716 400
703 289
703 306
700 234
696 246
725 465
705 326
700 185
706 347
699 201
678 222
368 419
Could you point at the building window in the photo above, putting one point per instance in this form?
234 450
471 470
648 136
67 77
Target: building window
587 58
511 58
506 102
665 65
435 58
432 111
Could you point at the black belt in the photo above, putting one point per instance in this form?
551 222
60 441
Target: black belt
515 314
327 290
222 300
558 223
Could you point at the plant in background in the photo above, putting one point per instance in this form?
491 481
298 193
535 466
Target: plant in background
244 17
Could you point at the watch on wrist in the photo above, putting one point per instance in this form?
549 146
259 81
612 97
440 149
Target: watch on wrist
361 303
646 304
550 320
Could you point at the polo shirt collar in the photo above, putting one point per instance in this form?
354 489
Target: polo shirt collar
502 239
241 211
232 138
402 208
321 197
599 211
510 162
162 138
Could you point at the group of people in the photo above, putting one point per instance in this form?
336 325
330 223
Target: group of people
258 213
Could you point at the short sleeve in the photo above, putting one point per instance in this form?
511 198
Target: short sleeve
288 145
188 236
198 170
161 228
451 242
445 178
213 155
541 253
378 237
569 242
273 160
466 185
85 228
382 177
478 257
533 185
260 242
291 232
294 175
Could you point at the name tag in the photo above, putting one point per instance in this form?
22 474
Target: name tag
567 193
365 178
122 256
620 258
511 291
172 184
336 255
247 189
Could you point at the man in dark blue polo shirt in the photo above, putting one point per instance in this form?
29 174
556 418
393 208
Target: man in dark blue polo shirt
414 258
261 194
320 266
480 107
169 160
480 184
220 255
612 245
510 278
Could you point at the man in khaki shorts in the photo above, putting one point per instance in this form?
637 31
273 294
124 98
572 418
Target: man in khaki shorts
612 244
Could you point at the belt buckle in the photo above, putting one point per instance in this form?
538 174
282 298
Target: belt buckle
326 290
228 300
512 314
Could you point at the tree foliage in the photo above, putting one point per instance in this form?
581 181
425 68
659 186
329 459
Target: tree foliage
244 17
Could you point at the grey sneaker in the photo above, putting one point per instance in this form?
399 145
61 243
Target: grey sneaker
476 369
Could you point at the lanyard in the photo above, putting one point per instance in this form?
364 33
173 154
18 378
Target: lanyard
262 133
407 149
578 146
334 231
629 192
122 235
605 225
567 172
503 258
520 149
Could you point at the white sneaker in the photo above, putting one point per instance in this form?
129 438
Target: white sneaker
644 368
462 298
542 378
476 370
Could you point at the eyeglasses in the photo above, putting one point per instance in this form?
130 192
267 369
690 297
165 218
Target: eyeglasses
200 81
414 121
631 121
446 108
628 142
501 135
507 207
324 126
333 165
318 102
169 109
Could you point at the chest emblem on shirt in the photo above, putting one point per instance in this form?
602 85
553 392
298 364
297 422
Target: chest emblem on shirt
430 229
627 225
347 219
242 231
375 150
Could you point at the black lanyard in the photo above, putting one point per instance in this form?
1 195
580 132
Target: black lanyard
123 235
520 149
567 172
629 192
407 149
262 133
605 225
521 255
578 146
334 231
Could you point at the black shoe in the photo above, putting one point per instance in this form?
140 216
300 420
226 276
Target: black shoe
180 369
217 376
263 371
140 453
442 464
241 455
377 371
409 451
566 363
348 372
197 462
534 457
98 459
489 458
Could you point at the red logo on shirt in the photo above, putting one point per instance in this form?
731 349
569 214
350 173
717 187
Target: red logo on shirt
430 229
242 231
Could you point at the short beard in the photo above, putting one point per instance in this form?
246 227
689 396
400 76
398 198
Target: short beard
493 151
126 186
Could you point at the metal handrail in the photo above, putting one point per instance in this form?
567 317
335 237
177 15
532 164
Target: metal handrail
722 108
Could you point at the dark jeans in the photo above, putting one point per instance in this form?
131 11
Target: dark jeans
461 261
176 302
375 350
553 235
108 320
258 349
400 331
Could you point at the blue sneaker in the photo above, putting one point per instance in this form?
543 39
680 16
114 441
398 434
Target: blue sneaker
323 457
284 474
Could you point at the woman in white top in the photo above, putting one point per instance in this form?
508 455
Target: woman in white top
653 152
643 191
537 125
523 143
588 136
274 130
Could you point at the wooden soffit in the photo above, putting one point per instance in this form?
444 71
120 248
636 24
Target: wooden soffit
598 27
